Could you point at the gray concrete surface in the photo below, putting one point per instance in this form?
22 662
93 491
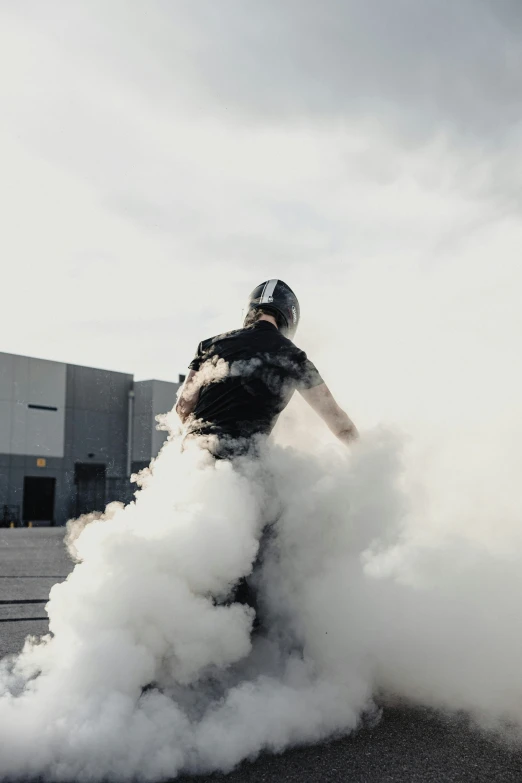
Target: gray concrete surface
31 561
408 745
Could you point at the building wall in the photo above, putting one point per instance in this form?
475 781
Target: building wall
24 429
97 405
96 422
80 426
20 467
32 439
142 423
151 398
163 400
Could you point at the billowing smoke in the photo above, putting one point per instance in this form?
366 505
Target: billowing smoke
149 672
141 609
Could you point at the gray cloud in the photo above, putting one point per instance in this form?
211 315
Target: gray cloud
417 68
420 66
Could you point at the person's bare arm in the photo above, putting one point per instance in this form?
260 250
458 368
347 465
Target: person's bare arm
322 401
187 397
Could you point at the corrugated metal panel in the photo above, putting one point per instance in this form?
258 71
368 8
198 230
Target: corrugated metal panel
32 406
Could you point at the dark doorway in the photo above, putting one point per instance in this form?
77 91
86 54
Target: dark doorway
90 487
39 499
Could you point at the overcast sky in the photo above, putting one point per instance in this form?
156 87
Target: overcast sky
161 158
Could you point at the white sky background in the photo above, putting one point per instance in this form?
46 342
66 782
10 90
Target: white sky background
160 159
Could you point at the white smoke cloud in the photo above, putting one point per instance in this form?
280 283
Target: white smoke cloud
138 609
360 595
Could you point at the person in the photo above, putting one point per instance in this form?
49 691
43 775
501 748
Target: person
239 382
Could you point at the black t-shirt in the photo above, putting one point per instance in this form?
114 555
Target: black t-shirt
249 376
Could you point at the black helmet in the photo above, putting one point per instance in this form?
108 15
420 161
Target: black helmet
275 296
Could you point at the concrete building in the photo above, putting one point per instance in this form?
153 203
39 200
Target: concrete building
71 436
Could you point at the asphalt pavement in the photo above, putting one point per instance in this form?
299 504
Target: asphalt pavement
407 746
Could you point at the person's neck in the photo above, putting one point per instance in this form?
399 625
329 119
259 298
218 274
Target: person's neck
269 318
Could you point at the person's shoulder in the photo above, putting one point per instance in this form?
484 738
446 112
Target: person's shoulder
210 341
299 366
291 348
